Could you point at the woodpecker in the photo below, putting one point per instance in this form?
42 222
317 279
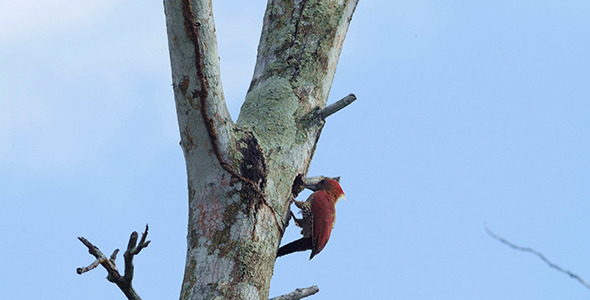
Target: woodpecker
319 215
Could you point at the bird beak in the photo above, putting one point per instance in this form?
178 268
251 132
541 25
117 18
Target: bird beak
313 187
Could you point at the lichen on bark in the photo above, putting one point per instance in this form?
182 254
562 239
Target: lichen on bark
241 175
275 100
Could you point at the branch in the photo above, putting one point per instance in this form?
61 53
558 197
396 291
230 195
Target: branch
538 254
123 282
336 106
88 268
289 47
298 293
193 24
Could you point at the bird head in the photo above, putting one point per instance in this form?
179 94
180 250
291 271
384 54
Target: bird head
330 186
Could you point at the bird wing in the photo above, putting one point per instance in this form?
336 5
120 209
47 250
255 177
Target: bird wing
324 216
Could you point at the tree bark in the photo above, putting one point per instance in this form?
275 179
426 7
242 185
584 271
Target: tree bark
242 176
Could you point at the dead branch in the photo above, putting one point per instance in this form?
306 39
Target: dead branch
298 293
336 106
123 282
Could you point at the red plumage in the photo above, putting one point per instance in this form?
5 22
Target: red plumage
324 215
319 216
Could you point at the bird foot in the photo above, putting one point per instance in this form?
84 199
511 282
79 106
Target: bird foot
297 221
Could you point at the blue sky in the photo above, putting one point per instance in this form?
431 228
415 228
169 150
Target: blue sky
469 113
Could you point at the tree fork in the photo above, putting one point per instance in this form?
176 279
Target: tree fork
241 176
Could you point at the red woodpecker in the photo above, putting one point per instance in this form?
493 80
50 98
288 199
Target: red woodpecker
319 215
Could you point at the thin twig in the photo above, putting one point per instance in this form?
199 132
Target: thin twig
298 293
88 268
114 256
538 254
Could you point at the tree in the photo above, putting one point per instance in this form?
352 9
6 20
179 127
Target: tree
243 176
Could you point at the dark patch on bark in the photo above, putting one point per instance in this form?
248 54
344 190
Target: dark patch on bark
252 165
184 84
297 185
253 168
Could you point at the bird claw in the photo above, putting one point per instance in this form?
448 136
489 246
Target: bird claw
297 221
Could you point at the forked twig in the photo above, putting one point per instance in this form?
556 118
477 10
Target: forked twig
123 282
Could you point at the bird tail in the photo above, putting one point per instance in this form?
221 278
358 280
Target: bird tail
301 244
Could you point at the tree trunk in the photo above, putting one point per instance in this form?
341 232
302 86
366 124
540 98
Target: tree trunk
242 176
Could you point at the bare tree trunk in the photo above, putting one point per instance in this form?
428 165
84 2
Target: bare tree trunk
242 176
